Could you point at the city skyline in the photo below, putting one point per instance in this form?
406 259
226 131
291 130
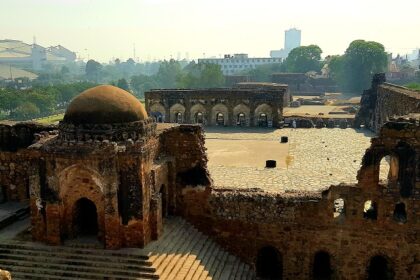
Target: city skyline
161 29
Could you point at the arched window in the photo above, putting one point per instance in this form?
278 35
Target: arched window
379 269
199 118
269 264
339 208
178 117
241 119
370 210
400 215
321 269
384 169
263 120
220 119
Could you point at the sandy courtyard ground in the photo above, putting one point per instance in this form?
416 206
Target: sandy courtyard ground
312 160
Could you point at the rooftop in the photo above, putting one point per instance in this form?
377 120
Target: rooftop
313 160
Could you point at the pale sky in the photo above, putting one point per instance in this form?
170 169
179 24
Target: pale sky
163 28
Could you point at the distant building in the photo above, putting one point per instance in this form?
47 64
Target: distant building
234 64
292 39
23 55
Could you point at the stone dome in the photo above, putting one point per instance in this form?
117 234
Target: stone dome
104 104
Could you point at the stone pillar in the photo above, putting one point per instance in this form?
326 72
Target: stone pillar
156 216
53 224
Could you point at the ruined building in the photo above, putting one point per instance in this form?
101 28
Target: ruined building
247 104
110 171
384 101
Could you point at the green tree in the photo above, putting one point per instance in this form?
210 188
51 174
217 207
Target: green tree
92 70
142 83
304 59
123 84
169 73
362 60
201 76
26 110
262 73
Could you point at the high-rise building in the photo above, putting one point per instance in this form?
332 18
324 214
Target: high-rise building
292 39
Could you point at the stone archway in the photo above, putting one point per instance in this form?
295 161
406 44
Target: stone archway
177 113
85 218
263 115
269 264
241 114
197 113
219 115
157 111
380 268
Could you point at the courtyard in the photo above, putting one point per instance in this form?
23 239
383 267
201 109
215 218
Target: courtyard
312 160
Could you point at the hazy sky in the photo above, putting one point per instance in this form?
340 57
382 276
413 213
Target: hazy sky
164 28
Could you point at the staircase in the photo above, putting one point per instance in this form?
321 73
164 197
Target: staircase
29 261
182 253
185 253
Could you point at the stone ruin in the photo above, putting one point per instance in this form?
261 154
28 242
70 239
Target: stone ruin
125 177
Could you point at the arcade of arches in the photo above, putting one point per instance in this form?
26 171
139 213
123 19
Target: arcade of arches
260 105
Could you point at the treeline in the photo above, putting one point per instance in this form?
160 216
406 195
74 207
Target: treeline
352 71
172 75
38 101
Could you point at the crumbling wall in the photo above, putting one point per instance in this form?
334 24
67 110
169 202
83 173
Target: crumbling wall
384 101
336 222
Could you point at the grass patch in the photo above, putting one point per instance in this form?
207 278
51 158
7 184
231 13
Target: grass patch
415 86
50 119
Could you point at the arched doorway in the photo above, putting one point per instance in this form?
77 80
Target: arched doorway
158 116
241 120
269 264
379 269
178 117
220 119
85 218
321 269
263 120
199 118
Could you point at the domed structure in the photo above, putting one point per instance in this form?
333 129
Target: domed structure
104 104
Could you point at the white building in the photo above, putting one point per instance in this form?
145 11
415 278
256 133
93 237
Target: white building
235 64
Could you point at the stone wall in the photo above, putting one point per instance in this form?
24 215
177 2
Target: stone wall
384 101
336 221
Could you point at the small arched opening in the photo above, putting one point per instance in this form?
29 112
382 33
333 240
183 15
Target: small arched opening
321 269
220 119
384 169
199 118
370 210
263 120
269 264
339 208
400 214
241 120
85 218
379 269
178 117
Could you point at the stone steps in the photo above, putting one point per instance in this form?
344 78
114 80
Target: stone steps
183 253
30 261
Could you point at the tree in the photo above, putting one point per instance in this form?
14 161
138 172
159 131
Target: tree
122 83
92 70
168 74
201 76
26 110
262 73
354 70
142 83
304 59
